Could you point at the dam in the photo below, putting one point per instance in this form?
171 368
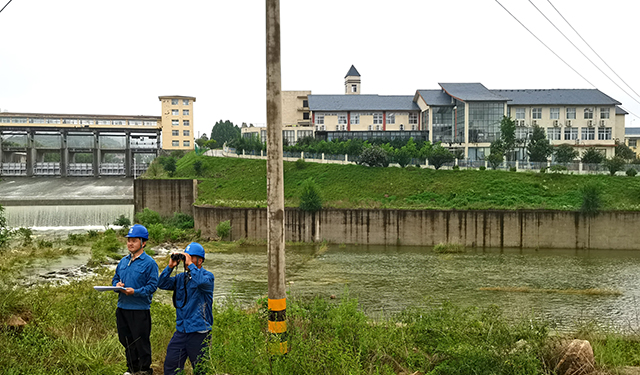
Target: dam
66 202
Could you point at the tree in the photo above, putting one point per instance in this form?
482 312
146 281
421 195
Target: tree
224 131
439 156
202 141
508 137
624 152
198 167
403 157
614 164
374 156
496 155
310 199
565 154
592 156
5 233
169 165
539 148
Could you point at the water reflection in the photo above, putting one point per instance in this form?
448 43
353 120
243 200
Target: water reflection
388 279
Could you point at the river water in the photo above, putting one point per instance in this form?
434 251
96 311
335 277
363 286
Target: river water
387 279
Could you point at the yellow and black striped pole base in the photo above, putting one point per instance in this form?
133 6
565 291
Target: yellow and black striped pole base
278 327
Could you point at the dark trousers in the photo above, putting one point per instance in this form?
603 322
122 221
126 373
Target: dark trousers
134 329
183 345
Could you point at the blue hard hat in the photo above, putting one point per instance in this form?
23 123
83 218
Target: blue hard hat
138 231
196 249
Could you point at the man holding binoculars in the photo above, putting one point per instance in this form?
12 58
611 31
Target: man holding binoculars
193 300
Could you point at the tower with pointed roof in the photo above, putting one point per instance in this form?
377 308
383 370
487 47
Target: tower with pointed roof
352 82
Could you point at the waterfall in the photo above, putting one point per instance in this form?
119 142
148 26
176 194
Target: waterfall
66 215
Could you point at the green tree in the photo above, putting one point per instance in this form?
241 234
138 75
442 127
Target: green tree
614 164
439 156
539 148
5 233
592 156
403 157
310 198
202 141
508 137
170 165
623 151
374 156
224 131
496 155
565 154
198 167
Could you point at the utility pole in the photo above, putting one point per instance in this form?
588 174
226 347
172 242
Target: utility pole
277 300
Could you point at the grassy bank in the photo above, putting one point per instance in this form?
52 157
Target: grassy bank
71 330
242 183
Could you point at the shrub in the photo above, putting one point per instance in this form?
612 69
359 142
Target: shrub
591 201
25 236
482 168
106 247
148 217
631 172
310 199
449 248
5 233
513 169
181 221
122 221
44 244
374 156
198 167
439 156
156 232
223 229
557 168
300 164
456 168
614 164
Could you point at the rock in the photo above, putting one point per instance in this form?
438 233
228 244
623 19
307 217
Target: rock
16 322
575 358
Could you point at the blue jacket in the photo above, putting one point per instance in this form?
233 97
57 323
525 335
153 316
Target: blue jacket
141 274
195 315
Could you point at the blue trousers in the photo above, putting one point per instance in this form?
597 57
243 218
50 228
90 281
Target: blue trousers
181 346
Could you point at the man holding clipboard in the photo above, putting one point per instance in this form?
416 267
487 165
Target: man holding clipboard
137 279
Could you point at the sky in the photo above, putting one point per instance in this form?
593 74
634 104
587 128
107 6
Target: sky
116 57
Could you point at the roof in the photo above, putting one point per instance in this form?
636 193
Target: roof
352 72
472 92
435 97
557 97
620 111
77 116
631 131
176 97
362 103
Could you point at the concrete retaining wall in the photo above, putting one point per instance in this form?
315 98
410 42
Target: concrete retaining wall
525 229
165 196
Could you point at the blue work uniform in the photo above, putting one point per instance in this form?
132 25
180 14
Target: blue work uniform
194 317
141 274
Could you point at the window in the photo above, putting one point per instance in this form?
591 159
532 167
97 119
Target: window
289 137
175 133
305 116
185 112
20 120
588 134
119 122
554 113
633 142
520 114
186 143
342 119
135 122
536 113
185 133
320 120
413 118
377 118
150 123
185 101
75 122
174 101
354 88
185 122
305 103
571 113
391 118
570 134
553 134
175 112
5 120
175 143
33 121
103 122
604 134
304 134
355 119
175 122
604 112
588 113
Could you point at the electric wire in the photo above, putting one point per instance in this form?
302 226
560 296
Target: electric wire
5 6
583 54
544 44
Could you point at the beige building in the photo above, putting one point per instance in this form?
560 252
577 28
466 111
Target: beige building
177 122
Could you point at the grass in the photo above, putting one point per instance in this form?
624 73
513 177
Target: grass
234 182
449 248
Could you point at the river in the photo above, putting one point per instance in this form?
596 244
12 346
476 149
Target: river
385 280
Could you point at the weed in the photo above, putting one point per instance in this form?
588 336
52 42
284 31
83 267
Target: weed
223 229
449 248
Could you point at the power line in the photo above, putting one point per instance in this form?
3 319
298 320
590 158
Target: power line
543 43
596 53
5 6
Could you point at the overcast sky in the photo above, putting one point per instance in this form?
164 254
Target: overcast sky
117 57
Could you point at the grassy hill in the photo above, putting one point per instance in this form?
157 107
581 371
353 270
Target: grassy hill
242 183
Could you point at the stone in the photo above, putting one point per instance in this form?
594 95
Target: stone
16 322
575 358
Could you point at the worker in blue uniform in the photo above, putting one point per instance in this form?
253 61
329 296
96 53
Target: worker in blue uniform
193 300
137 273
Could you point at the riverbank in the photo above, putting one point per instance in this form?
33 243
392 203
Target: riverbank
228 182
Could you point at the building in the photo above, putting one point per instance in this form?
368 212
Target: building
632 138
177 122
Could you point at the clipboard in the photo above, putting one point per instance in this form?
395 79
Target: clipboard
108 288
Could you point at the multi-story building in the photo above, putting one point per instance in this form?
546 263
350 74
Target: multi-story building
632 139
177 122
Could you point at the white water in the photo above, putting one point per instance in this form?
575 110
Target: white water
66 216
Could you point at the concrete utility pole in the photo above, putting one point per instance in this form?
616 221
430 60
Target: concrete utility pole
275 186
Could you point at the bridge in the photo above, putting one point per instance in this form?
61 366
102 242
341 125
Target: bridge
77 151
